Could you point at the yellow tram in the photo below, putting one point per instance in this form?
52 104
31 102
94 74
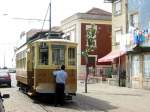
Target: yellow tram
39 57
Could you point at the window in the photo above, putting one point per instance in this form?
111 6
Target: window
118 36
67 36
117 7
94 40
58 54
91 61
146 66
134 20
21 60
43 54
135 65
71 56
91 64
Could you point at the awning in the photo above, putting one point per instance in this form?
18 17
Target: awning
111 56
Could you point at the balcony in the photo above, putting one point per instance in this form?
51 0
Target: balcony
137 39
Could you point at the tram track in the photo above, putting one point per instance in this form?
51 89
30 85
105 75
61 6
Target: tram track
44 108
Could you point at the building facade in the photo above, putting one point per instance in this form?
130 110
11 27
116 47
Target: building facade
74 28
139 49
131 32
119 28
117 56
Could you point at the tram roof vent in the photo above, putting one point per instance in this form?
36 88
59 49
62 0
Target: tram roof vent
54 35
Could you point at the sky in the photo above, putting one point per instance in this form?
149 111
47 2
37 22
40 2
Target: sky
11 28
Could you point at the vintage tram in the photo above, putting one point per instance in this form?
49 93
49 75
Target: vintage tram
39 57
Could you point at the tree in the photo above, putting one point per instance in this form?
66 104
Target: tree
91 36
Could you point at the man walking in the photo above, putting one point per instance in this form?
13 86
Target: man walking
60 77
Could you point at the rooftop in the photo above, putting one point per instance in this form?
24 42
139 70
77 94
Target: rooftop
92 14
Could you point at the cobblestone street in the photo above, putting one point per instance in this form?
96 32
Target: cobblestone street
100 98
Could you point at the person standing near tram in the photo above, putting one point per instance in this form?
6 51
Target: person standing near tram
60 79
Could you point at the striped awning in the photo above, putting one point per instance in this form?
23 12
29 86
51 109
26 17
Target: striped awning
111 56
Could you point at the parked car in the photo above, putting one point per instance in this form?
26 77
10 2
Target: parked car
2 109
5 78
12 70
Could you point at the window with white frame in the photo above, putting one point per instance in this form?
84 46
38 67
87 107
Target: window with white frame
94 42
135 65
134 21
146 66
117 7
118 36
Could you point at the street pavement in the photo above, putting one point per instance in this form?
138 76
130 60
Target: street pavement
100 98
118 99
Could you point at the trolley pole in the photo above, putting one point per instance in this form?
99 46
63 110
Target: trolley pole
49 18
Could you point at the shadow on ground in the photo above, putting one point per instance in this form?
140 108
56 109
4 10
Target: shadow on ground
4 86
80 103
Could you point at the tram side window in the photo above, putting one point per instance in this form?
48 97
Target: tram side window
71 56
43 54
21 60
58 56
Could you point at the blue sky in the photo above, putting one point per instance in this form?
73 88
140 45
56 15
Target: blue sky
10 28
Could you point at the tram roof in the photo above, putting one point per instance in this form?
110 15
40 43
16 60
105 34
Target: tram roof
54 40
44 36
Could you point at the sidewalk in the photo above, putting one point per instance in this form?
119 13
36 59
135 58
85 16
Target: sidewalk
116 99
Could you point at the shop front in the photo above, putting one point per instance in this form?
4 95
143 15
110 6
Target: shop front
138 59
138 67
118 74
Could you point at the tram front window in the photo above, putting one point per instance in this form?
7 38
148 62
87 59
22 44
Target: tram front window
58 56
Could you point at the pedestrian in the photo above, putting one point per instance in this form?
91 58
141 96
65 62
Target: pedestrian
60 78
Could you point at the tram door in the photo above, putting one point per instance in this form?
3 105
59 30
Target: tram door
30 65
33 56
